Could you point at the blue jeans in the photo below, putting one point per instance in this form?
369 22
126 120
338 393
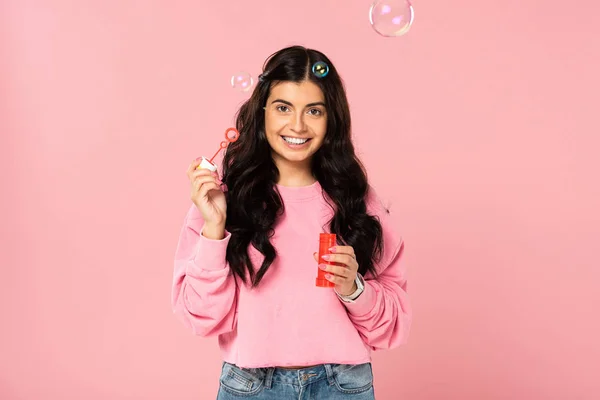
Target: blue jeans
323 382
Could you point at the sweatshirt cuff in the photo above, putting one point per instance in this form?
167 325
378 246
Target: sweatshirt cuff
210 253
365 303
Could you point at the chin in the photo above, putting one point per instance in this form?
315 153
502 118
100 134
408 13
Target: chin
293 156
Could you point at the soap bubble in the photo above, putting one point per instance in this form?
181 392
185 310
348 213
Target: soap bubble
391 17
242 81
320 69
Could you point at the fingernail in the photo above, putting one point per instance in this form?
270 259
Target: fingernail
326 257
332 249
328 276
323 266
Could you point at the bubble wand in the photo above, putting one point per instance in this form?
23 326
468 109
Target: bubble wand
231 135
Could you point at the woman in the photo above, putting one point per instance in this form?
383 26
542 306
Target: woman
246 264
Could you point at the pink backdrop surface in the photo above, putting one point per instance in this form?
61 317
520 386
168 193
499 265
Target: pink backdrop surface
480 125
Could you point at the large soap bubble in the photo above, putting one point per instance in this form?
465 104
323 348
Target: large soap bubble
242 81
391 18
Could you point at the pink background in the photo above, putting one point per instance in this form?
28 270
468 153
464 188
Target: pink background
481 126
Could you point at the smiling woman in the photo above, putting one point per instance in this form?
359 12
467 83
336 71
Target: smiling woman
245 268
295 122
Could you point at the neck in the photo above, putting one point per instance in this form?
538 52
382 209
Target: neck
294 174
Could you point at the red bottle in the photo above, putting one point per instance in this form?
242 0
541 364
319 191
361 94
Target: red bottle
326 241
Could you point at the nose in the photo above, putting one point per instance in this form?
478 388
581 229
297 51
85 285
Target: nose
297 123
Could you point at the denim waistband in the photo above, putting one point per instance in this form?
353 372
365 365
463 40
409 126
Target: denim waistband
293 376
301 376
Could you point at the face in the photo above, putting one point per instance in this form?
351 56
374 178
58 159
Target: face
295 121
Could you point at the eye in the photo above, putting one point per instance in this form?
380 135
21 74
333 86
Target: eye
315 112
282 108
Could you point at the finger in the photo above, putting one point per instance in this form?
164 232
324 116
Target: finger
207 187
205 178
343 250
344 259
194 165
337 280
316 256
202 172
201 181
338 271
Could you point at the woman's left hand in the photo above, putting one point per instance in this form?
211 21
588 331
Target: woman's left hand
344 275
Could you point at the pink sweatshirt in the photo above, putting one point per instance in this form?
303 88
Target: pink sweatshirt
287 320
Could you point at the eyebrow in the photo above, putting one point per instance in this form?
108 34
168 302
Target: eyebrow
318 103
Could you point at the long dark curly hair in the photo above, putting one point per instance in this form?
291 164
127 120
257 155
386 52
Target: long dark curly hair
250 174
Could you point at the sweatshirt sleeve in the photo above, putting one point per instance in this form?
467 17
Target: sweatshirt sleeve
382 313
204 292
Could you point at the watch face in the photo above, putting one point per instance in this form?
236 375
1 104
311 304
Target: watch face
360 287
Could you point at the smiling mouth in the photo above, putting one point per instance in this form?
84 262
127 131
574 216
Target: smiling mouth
296 141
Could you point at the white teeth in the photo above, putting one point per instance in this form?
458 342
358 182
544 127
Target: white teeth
294 140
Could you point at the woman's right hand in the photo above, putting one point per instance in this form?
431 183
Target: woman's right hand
207 195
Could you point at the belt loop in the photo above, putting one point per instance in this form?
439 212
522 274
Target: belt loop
329 371
269 378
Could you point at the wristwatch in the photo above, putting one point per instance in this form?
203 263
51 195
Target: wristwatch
360 287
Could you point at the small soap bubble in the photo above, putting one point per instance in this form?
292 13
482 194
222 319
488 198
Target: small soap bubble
320 69
391 18
242 81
